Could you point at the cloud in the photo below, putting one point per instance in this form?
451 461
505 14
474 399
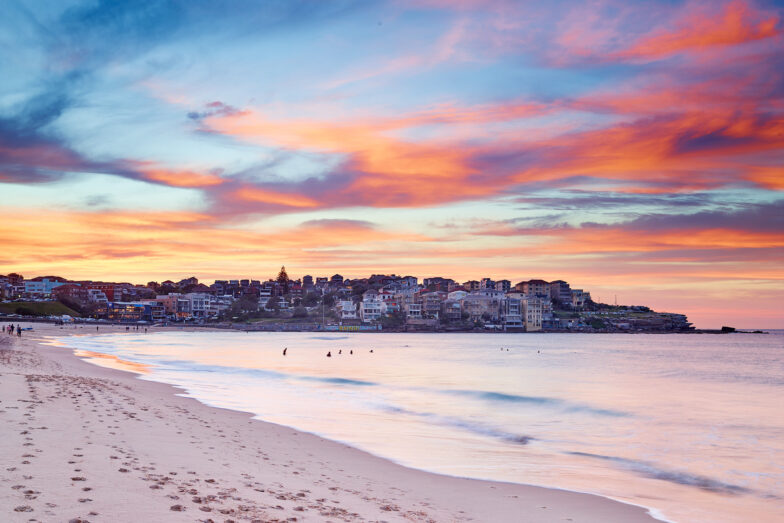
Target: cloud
702 28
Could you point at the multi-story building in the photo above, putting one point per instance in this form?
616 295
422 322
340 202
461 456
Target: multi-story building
71 291
346 310
561 292
534 288
43 285
409 282
457 295
579 298
451 310
482 306
486 283
125 312
431 303
512 313
533 311
372 306
412 310
503 285
471 285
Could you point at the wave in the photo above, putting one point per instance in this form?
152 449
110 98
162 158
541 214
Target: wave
338 381
467 425
537 400
649 470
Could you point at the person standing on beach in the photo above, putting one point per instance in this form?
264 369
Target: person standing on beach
19 330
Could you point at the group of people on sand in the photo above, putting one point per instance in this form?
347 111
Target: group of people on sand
10 330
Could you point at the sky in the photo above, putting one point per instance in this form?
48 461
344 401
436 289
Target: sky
633 149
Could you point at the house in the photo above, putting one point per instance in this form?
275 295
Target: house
371 307
346 310
580 298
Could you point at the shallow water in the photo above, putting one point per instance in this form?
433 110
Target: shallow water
689 425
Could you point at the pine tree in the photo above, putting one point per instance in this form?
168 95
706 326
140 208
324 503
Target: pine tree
283 280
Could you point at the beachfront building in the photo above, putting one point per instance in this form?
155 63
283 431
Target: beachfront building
346 310
481 306
451 310
561 293
372 306
512 314
431 303
412 310
124 312
533 311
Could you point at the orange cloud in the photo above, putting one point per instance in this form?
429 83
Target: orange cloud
737 24
251 194
182 178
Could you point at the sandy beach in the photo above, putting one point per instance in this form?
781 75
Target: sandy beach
81 442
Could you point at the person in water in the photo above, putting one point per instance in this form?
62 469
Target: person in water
329 354
284 351
351 352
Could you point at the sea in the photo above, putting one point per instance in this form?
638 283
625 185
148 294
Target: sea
690 426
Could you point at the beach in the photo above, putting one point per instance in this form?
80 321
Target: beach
87 443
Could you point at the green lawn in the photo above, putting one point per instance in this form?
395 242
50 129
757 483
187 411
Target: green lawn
35 308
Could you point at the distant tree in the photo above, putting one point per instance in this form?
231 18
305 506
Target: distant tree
357 290
300 312
329 299
283 280
393 320
167 289
310 299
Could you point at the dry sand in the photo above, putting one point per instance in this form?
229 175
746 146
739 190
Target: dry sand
80 442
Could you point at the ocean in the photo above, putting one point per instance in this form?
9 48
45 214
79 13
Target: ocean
689 425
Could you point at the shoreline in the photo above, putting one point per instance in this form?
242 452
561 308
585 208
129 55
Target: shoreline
256 328
144 451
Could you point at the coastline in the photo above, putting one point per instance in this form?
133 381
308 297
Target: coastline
102 445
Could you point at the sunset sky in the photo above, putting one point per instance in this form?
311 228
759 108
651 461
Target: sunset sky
631 148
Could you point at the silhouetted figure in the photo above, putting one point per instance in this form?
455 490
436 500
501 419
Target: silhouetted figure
18 330
351 352
340 351
284 351
371 350
96 327
329 354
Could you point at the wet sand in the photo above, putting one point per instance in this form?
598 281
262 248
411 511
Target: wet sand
85 443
